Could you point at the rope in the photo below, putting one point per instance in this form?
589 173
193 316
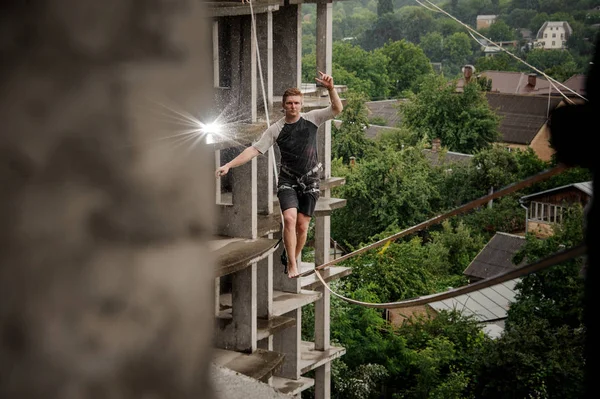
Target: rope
554 259
437 219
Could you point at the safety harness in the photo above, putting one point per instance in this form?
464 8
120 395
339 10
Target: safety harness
304 183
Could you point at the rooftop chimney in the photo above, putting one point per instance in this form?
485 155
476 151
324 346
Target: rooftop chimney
468 71
531 79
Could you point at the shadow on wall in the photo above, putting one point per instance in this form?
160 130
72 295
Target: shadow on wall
103 274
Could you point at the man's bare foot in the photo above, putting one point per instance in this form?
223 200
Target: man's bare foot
292 271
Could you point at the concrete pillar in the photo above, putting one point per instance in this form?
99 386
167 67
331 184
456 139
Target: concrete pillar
265 182
244 208
323 381
264 27
324 49
287 39
106 278
243 300
288 343
265 287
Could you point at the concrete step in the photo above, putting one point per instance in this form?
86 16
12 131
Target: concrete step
234 254
284 302
310 358
312 282
331 182
265 327
327 205
292 387
259 365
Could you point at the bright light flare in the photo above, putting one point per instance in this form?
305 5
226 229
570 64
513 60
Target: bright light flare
194 131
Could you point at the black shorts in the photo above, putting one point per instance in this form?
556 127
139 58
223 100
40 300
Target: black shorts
293 198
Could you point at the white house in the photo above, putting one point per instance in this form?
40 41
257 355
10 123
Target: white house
553 35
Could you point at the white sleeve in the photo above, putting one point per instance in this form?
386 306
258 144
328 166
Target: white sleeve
318 116
269 137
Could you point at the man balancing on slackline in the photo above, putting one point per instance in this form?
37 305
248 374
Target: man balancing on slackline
298 183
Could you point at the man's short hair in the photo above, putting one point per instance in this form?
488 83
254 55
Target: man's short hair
292 91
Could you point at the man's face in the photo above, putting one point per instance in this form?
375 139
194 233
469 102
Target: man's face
292 106
468 72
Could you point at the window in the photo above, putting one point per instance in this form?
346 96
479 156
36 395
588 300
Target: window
545 35
553 43
554 35
542 212
562 35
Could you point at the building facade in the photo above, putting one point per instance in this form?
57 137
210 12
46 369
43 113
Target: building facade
553 35
258 309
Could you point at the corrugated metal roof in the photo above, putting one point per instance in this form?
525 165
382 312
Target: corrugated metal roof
487 304
496 257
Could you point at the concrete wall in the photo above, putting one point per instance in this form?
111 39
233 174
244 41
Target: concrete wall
105 276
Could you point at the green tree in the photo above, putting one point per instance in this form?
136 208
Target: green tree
541 352
407 65
520 18
499 62
553 61
415 22
349 139
463 121
500 31
386 28
432 45
457 51
384 7
370 68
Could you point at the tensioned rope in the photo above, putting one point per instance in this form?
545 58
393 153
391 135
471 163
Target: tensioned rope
457 211
542 264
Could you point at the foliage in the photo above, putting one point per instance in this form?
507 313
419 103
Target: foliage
384 7
378 121
463 121
541 351
441 351
407 65
388 189
361 382
369 67
349 139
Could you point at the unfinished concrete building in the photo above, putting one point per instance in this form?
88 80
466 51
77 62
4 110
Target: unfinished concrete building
257 54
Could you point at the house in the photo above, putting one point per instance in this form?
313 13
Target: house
575 86
513 83
488 305
438 156
546 208
523 121
553 35
385 110
485 21
258 310
495 258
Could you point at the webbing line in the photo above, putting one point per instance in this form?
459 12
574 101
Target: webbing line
551 260
437 219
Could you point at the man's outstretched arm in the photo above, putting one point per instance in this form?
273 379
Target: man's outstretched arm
241 159
327 82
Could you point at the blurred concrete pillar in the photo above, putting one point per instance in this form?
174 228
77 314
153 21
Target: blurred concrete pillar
105 280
